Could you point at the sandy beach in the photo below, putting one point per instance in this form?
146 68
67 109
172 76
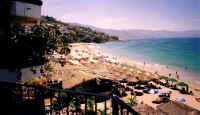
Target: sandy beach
77 70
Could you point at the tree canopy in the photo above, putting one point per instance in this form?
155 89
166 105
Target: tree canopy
26 46
76 33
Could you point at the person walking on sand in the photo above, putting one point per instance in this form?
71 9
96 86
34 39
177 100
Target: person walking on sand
170 74
177 76
144 64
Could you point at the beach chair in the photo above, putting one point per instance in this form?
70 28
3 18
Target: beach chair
158 101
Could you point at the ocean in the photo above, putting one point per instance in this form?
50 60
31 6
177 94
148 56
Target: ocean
183 53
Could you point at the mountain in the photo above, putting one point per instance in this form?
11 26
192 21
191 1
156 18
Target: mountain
141 34
77 33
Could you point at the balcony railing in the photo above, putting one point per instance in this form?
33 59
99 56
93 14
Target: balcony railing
21 98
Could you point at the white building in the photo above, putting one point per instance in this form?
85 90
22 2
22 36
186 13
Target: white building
26 11
22 12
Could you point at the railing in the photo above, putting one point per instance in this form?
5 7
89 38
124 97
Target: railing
53 101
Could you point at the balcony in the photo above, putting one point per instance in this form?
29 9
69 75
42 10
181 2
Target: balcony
25 99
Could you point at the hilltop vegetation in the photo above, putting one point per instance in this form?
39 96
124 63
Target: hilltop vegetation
27 46
75 33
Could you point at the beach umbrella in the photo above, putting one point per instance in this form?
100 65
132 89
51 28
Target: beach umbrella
119 85
164 91
132 79
175 108
139 72
155 76
164 77
131 84
150 73
131 69
173 80
182 84
123 81
129 74
147 73
180 99
142 77
153 91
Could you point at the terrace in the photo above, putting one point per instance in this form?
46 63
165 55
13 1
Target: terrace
24 99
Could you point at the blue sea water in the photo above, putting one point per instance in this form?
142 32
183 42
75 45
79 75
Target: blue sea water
176 52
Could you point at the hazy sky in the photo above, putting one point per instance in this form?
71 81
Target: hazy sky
128 14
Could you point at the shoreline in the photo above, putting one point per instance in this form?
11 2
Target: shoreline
77 70
159 68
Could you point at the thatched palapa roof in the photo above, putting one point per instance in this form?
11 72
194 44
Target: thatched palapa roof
177 108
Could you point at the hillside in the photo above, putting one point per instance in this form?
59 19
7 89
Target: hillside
30 45
131 34
77 33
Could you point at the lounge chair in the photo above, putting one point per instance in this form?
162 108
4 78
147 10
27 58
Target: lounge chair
146 91
158 101
127 89
139 87
138 93
161 100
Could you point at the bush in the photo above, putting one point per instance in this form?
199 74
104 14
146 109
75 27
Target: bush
28 46
132 101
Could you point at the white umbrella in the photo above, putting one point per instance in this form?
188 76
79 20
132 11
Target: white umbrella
180 99
78 57
164 91
153 91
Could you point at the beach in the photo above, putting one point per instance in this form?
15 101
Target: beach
164 56
86 62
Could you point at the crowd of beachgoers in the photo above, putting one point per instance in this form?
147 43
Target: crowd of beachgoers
86 62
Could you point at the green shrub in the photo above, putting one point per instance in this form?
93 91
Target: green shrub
132 101
48 67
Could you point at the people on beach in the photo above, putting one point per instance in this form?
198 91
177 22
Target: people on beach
170 74
177 76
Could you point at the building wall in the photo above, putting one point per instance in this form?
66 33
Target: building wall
26 9
6 75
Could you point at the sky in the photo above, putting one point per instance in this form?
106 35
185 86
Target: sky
178 15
